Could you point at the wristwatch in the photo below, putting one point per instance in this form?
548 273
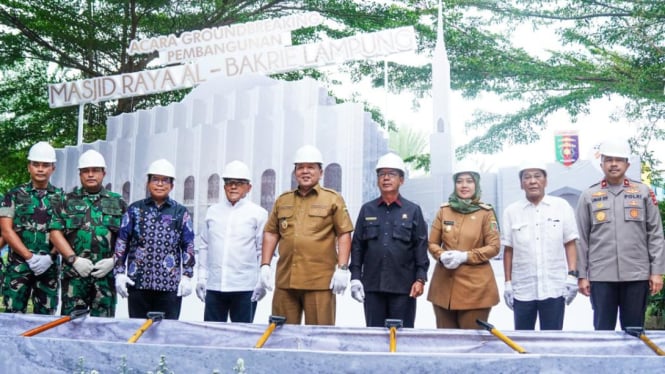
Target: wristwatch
574 273
343 267
70 259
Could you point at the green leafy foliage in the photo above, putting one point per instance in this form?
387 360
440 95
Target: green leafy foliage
610 50
656 303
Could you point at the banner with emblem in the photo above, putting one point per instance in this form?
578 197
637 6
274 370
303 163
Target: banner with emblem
566 146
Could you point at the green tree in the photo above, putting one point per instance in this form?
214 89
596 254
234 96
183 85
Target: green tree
611 49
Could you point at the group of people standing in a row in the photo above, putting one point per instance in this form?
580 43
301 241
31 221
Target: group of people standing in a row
144 252
610 249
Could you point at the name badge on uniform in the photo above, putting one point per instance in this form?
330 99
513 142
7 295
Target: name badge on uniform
448 225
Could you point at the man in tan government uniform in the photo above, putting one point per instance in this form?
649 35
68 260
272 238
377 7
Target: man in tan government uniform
313 229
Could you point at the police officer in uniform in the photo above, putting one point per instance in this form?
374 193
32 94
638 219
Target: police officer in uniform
25 214
312 227
84 229
389 250
621 255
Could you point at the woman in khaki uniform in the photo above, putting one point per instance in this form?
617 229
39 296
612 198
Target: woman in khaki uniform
463 239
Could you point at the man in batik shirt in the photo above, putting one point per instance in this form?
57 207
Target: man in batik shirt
155 249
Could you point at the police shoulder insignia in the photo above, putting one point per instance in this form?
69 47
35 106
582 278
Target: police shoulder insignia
485 206
445 204
653 197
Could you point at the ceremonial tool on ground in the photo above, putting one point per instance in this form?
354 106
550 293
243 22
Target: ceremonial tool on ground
274 322
638 332
489 327
152 318
393 325
78 313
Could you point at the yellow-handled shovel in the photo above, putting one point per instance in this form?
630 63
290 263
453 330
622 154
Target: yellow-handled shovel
274 322
393 325
489 327
152 318
638 332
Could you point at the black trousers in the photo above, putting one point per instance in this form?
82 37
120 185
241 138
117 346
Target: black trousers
140 302
222 305
549 312
380 306
628 298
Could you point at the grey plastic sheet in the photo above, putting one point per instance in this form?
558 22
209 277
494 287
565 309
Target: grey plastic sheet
100 341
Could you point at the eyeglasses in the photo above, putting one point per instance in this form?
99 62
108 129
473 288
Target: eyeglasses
160 180
537 176
235 182
390 174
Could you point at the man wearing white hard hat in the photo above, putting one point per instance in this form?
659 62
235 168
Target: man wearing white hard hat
155 249
621 254
389 250
540 254
230 251
25 214
84 229
312 227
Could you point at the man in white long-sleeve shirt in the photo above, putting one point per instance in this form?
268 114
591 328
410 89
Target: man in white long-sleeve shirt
230 251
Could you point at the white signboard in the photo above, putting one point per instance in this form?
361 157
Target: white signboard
231 51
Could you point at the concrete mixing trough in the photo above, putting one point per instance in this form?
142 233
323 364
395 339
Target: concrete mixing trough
197 347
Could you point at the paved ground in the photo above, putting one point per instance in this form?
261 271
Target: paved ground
350 313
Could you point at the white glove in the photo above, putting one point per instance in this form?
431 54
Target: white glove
571 289
201 284
121 282
266 277
201 291
259 292
508 294
103 267
39 263
339 281
185 286
453 259
83 266
357 290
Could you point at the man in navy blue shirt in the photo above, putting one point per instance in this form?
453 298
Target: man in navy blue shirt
389 250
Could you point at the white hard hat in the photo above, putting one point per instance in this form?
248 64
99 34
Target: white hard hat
533 164
162 167
391 161
91 159
236 170
41 152
465 166
308 153
615 148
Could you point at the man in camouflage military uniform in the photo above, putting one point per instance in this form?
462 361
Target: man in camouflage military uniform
84 229
25 213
